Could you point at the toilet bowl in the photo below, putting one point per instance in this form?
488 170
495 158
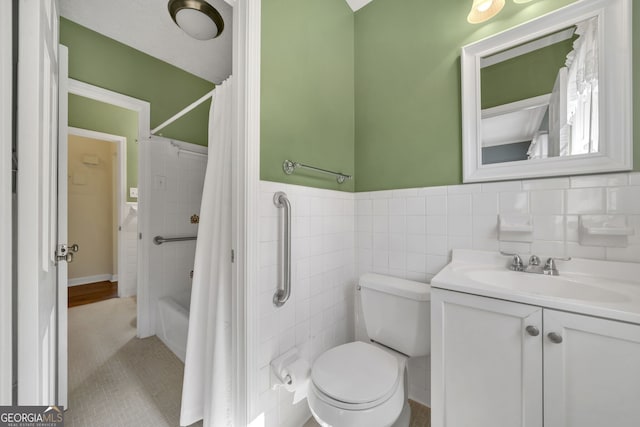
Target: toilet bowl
357 385
364 384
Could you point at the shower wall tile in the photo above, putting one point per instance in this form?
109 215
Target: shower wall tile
319 315
130 234
176 194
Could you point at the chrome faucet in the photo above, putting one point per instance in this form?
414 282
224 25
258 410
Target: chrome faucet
550 268
534 266
516 263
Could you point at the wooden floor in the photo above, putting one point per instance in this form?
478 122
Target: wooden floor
93 292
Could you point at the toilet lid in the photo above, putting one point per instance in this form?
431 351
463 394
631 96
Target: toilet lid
355 373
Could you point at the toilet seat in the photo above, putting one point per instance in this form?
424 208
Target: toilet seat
356 376
376 399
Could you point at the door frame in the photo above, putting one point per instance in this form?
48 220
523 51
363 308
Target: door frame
246 181
245 213
121 199
6 204
143 108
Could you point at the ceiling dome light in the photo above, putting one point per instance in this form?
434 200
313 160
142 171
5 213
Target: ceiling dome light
482 10
197 18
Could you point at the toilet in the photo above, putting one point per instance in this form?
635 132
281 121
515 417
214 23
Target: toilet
365 384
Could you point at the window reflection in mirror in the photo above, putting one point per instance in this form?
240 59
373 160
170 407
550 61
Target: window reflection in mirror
540 99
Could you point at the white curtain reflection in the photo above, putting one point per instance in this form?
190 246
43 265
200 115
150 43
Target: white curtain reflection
582 89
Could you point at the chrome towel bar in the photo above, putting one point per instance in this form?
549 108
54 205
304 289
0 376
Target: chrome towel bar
290 166
283 293
158 240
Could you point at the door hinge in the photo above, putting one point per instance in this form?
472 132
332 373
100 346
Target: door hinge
233 256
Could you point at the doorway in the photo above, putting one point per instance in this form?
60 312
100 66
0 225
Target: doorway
97 211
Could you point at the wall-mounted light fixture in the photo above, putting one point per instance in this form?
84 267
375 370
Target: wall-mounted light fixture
197 18
482 10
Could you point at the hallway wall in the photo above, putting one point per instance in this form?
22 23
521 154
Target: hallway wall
91 206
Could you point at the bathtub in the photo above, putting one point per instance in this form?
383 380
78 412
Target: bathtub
173 322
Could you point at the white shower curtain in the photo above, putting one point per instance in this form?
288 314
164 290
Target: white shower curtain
206 392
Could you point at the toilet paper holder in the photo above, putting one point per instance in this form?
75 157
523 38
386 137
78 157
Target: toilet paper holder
278 368
291 372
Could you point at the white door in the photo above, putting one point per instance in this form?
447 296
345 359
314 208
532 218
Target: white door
63 270
591 372
6 204
486 361
37 201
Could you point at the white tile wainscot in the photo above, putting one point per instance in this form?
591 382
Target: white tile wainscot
408 233
319 315
412 238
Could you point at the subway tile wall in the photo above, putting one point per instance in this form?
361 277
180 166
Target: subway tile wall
176 193
410 233
319 314
130 235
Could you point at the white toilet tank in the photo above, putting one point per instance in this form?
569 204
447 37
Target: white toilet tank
396 313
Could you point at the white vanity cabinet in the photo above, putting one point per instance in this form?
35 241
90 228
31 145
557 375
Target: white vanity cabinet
495 362
592 377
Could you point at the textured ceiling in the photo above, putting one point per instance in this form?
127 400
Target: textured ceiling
146 25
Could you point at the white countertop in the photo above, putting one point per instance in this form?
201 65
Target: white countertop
605 289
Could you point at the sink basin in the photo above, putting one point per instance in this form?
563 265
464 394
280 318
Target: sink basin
572 287
607 289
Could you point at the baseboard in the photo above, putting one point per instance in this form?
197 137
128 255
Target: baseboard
92 279
114 278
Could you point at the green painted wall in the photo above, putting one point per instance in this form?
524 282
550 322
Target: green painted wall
307 100
106 63
523 77
90 114
407 82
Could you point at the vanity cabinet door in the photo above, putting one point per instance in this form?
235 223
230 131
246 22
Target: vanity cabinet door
486 364
591 371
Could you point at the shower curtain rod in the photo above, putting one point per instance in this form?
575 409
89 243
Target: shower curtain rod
182 112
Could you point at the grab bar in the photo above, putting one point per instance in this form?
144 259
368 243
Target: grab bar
282 294
158 240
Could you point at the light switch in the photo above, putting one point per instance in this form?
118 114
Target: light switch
133 192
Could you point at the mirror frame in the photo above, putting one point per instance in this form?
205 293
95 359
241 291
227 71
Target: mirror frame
615 88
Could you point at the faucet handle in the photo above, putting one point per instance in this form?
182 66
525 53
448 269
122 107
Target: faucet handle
516 263
550 267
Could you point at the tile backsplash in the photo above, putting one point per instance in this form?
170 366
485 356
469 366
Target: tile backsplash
410 233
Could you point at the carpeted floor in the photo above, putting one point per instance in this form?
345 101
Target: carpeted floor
116 379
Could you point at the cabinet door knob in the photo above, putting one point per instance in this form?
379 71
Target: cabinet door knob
532 330
554 338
